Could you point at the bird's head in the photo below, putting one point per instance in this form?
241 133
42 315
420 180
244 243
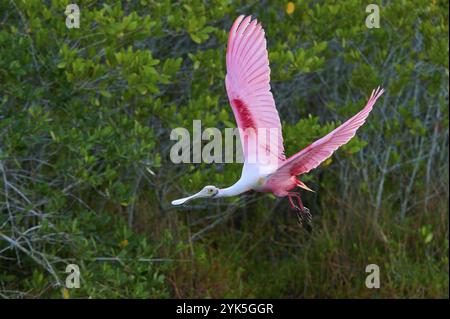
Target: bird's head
207 192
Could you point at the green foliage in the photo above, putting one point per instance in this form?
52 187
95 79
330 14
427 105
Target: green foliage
114 262
85 120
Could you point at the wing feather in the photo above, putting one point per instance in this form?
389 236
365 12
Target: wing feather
314 154
248 86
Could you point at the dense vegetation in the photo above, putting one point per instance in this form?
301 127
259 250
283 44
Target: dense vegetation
85 120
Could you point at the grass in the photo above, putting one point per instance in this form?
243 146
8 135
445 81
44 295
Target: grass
268 258
254 253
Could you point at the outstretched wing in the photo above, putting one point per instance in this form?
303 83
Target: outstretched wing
311 156
248 88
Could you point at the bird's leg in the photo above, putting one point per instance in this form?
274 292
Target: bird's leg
306 214
291 202
295 208
303 213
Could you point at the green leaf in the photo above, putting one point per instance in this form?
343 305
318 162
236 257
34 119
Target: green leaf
195 38
105 93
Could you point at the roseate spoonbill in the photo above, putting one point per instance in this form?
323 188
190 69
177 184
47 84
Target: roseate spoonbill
248 88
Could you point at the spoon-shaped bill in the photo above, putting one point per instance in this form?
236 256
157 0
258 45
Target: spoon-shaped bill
184 200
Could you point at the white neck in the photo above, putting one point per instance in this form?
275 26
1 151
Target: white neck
251 173
235 189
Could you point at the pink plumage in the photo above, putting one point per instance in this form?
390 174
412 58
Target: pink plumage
314 154
248 87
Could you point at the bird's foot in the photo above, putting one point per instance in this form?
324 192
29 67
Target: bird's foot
303 215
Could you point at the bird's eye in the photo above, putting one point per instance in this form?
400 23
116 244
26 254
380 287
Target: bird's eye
210 190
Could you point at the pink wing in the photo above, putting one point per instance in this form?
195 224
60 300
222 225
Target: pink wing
311 156
248 88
